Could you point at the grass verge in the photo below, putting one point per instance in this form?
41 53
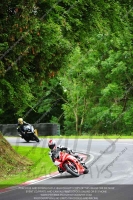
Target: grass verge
87 136
90 136
41 166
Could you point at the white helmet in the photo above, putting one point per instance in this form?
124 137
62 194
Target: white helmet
51 144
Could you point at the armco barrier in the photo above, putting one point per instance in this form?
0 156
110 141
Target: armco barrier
43 129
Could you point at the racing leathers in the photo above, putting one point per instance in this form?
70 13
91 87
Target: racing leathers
20 128
55 153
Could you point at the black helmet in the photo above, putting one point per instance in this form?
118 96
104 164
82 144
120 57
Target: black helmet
51 144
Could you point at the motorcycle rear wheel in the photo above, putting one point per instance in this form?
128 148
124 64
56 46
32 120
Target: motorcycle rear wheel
72 169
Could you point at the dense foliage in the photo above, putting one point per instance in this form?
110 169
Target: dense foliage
68 62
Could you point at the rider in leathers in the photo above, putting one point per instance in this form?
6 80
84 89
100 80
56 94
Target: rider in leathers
55 149
20 128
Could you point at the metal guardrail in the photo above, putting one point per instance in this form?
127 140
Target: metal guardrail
43 129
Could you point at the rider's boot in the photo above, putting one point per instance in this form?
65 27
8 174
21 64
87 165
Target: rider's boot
60 170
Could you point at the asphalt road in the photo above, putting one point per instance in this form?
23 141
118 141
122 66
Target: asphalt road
110 177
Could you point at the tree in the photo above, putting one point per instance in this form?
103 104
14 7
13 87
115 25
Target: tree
91 42
32 49
108 67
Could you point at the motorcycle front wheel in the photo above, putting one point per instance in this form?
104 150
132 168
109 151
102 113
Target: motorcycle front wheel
26 140
86 169
72 169
36 138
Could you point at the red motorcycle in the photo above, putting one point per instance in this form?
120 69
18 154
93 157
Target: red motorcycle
69 163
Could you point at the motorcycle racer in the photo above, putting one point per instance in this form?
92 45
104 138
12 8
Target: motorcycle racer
20 128
55 149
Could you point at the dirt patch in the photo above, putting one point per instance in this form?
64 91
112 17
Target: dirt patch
10 161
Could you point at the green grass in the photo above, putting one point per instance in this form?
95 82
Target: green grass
42 165
87 136
114 136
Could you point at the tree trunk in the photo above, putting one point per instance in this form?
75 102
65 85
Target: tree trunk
76 120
